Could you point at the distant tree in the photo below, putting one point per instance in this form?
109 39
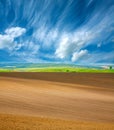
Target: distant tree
110 67
67 70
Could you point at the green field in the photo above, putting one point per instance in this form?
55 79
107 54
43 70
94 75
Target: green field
59 69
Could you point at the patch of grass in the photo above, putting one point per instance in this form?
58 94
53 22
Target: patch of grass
5 70
14 122
66 69
59 69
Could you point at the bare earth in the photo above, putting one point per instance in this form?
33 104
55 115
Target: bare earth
64 100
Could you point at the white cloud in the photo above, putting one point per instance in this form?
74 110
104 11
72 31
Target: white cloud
77 55
15 31
70 43
66 47
7 41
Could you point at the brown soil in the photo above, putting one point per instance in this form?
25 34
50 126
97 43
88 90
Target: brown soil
67 96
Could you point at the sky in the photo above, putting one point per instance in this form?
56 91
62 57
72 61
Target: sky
57 31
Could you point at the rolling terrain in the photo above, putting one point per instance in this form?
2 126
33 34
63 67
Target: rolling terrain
55 101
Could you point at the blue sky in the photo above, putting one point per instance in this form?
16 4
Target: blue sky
66 31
